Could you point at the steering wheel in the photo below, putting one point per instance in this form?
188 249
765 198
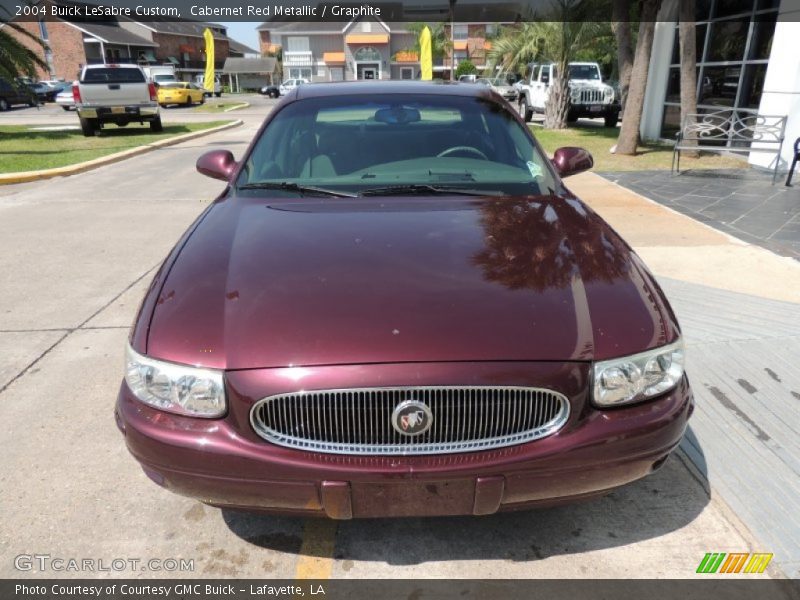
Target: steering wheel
465 149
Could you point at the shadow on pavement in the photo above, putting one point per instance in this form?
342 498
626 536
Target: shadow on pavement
659 504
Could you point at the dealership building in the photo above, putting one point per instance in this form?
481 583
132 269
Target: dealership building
747 58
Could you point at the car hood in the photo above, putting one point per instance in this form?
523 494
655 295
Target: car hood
278 282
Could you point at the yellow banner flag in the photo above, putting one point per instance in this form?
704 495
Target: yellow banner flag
208 79
425 56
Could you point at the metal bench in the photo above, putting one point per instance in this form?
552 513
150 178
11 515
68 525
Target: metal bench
794 161
731 130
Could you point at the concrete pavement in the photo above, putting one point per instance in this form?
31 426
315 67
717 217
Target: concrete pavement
77 254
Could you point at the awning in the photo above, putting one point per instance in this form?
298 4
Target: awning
333 57
406 57
173 60
460 45
367 38
149 56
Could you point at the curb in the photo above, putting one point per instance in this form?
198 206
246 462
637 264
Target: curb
237 106
25 176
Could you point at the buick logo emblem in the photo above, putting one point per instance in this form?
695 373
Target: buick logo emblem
412 417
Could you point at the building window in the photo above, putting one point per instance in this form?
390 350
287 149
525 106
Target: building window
460 31
733 40
367 54
491 30
300 73
297 44
321 71
406 72
43 31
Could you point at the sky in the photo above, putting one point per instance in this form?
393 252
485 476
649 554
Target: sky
244 32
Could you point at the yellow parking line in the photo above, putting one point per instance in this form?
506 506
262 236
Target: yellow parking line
316 553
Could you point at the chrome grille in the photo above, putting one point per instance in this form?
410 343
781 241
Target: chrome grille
359 421
591 96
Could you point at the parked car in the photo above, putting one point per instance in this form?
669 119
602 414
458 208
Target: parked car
501 86
290 84
270 91
65 98
471 78
396 308
181 92
589 96
44 93
12 95
115 93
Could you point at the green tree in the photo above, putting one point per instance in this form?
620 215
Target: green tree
440 42
465 67
567 34
17 59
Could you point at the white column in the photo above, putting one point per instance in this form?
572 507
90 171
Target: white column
658 72
781 95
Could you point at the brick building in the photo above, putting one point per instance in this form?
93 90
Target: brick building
74 44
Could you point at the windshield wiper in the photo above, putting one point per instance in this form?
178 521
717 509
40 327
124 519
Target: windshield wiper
423 189
296 187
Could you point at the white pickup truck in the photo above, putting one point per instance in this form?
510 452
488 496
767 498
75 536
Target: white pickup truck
115 93
589 96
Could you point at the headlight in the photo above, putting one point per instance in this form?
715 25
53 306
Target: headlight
181 389
609 94
638 377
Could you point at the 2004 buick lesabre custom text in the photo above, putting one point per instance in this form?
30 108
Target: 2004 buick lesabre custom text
396 308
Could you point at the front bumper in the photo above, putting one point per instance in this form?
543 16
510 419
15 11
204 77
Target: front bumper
222 462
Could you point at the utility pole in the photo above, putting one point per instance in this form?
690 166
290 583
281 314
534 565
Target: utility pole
452 40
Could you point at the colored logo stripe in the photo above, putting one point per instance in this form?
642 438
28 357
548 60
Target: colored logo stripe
734 563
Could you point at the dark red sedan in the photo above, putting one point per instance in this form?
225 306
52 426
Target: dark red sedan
397 308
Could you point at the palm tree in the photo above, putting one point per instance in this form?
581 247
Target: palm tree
688 53
440 43
621 25
16 57
629 131
558 40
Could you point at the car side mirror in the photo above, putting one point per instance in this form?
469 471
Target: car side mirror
217 164
570 160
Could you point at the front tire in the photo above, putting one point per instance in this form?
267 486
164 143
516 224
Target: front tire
611 119
156 126
66 108
4 105
526 111
218 94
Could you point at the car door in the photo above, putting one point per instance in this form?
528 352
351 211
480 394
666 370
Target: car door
539 88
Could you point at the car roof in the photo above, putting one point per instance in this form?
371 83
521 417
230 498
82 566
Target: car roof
366 88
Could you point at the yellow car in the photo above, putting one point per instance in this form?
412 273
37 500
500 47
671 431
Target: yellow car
180 92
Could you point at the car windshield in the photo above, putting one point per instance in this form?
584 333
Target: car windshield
583 72
354 144
498 81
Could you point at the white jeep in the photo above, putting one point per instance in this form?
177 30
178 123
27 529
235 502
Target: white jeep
589 96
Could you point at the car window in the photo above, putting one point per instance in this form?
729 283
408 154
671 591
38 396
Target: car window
353 143
113 75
